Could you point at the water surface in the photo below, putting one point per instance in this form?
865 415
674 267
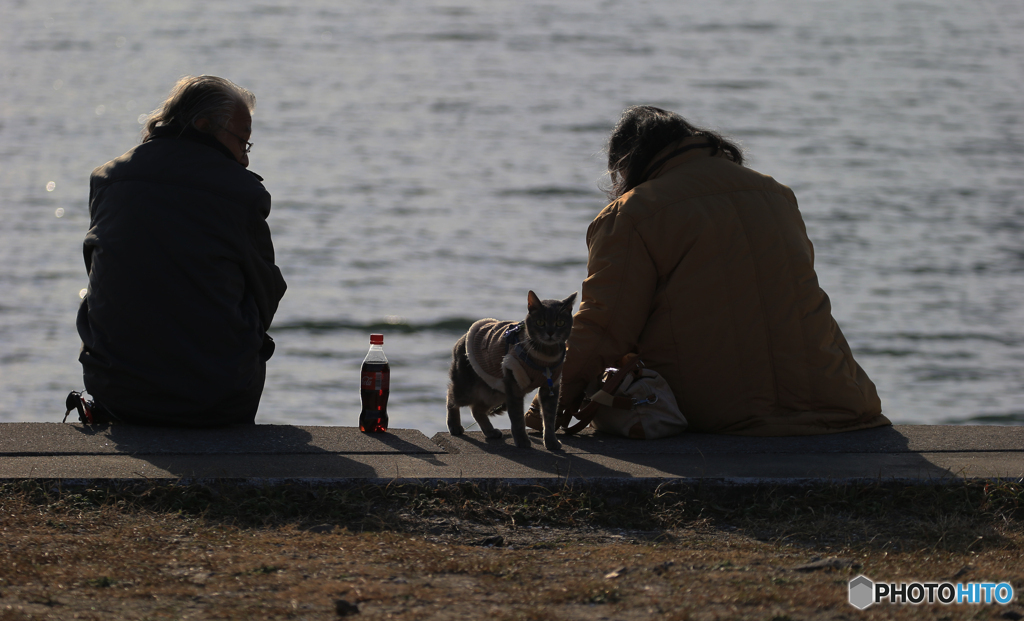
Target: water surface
431 162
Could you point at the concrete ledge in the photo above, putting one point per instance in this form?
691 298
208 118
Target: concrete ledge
343 454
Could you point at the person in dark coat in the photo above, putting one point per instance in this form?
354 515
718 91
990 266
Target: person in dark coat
182 280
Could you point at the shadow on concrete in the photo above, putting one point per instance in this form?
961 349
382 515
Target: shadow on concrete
882 452
510 462
399 445
262 452
242 451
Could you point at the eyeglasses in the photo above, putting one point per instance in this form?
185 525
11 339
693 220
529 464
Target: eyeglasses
247 146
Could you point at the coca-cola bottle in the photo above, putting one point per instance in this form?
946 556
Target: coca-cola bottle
374 384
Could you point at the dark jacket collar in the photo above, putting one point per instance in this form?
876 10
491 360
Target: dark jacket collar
193 135
677 153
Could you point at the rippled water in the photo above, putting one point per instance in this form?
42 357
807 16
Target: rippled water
431 162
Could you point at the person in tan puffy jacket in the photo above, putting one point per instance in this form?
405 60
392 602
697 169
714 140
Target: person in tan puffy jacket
704 268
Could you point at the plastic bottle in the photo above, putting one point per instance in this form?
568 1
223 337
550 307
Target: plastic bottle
374 386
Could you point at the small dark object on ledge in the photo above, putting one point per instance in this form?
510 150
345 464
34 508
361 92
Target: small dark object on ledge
345 608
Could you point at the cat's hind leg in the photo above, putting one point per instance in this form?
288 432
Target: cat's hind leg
462 377
480 414
454 414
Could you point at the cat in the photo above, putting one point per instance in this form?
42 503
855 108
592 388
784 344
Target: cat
497 363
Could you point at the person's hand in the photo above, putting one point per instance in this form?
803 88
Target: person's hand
569 402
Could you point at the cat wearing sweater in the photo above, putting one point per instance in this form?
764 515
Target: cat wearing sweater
497 363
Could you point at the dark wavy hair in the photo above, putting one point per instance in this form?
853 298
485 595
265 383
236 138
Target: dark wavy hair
641 133
199 97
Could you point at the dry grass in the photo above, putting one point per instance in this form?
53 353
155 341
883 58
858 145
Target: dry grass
502 553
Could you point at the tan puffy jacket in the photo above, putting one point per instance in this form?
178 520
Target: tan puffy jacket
706 271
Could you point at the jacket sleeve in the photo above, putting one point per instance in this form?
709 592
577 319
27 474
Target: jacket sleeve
263 277
616 302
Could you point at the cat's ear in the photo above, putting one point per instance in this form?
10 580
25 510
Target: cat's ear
568 302
532 301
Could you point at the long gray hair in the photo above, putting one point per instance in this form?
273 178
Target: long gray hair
199 97
642 132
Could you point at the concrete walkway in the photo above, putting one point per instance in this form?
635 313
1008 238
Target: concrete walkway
335 454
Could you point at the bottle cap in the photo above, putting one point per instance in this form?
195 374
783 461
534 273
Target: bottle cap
376 339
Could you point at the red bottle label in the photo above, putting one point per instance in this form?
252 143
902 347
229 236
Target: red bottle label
375 380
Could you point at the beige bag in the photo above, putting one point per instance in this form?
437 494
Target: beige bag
633 402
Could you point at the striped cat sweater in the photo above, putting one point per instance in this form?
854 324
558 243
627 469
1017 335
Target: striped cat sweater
490 353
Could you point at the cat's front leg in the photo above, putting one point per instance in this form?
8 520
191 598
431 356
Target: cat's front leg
548 410
480 411
514 404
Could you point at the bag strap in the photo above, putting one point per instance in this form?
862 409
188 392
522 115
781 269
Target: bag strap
605 396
